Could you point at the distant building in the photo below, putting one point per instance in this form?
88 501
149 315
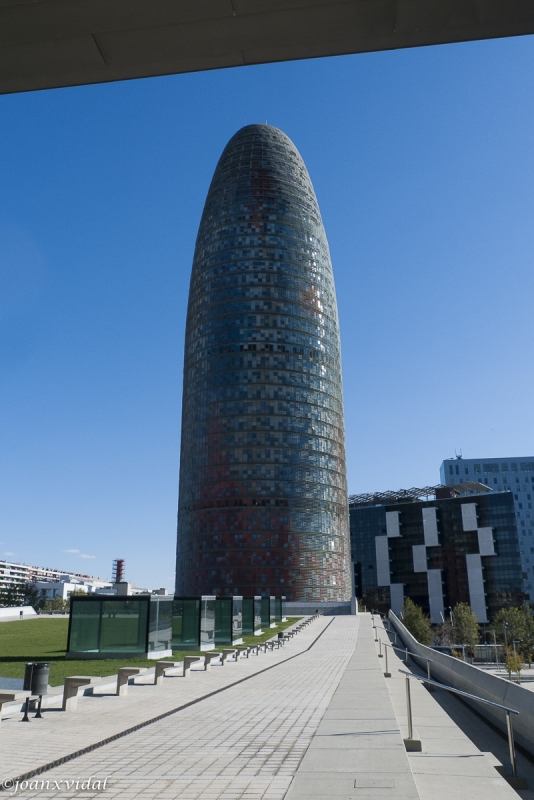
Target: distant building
12 574
500 474
438 552
63 589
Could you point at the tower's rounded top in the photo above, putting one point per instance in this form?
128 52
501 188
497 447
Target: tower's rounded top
263 132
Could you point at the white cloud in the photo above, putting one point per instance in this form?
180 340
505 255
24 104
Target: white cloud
71 551
84 555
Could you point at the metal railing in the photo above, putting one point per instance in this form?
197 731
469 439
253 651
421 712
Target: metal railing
406 654
509 711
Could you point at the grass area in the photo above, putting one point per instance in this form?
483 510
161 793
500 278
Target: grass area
45 639
269 633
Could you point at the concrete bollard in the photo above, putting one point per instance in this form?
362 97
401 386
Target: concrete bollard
226 653
123 675
11 697
208 658
161 667
70 690
188 660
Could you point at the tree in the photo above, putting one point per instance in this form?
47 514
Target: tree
527 645
513 663
465 624
57 604
514 624
12 595
33 596
443 633
417 622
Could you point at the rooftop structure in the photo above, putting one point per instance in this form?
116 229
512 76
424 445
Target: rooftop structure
263 492
413 494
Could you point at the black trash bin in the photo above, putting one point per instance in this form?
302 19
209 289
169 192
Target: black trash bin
281 635
36 682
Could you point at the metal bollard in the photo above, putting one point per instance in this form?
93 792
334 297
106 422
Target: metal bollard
511 743
409 708
387 673
39 715
412 745
429 686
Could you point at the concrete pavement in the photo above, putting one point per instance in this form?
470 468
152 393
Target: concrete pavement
245 741
358 750
450 764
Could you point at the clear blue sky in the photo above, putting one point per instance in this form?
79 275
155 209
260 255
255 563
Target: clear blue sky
423 164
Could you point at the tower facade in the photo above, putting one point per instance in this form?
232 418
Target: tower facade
263 493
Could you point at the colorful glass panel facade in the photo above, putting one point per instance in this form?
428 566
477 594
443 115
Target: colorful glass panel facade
263 493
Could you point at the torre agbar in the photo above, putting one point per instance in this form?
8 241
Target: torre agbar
263 504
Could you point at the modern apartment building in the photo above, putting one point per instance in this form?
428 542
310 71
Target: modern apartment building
12 573
438 552
515 475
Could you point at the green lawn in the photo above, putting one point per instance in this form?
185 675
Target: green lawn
45 639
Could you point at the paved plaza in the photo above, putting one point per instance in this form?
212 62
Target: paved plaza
245 741
315 719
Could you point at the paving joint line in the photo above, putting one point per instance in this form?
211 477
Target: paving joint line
103 742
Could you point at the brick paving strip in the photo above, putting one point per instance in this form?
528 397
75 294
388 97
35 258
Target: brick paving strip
243 739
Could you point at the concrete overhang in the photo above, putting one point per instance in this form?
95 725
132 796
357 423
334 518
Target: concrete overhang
52 43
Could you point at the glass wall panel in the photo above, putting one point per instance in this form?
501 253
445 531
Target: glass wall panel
272 611
237 620
186 623
124 626
100 627
223 620
207 622
248 616
257 616
278 609
160 629
283 604
84 626
265 612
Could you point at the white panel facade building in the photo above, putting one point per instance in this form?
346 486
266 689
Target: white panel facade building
504 474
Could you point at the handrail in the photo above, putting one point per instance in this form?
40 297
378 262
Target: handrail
458 691
408 653
508 710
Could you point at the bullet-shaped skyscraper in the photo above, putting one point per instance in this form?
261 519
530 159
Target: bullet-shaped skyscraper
263 492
